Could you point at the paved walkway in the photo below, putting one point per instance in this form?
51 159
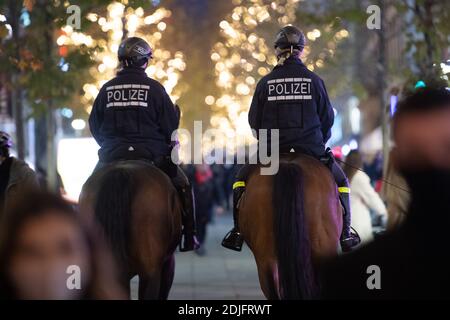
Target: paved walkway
220 274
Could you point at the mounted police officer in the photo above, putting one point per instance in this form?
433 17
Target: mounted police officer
293 100
133 118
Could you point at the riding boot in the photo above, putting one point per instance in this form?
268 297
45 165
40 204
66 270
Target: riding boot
234 240
348 238
189 240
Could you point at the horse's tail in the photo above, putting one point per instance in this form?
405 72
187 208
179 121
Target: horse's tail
293 247
113 211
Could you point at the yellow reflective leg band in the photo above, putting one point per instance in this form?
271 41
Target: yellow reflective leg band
238 184
344 190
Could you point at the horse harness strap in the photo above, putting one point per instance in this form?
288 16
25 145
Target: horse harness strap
238 184
344 190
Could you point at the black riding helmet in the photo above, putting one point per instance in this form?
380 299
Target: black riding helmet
5 144
134 52
290 37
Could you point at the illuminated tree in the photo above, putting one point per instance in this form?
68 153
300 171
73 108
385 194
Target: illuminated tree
427 40
50 65
119 22
33 70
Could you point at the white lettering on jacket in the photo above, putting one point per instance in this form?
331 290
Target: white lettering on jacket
125 95
289 89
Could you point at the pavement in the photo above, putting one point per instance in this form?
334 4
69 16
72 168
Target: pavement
219 274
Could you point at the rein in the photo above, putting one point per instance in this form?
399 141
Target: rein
383 180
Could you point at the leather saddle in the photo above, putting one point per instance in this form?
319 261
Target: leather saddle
124 153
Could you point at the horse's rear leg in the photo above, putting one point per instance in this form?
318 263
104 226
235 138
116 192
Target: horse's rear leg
268 278
149 286
126 287
124 282
167 275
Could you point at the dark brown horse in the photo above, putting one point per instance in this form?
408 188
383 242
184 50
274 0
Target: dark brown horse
140 214
291 221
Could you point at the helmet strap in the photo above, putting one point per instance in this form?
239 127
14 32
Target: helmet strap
4 152
145 65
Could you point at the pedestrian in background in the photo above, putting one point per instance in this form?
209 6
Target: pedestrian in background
363 197
203 188
219 194
397 195
15 175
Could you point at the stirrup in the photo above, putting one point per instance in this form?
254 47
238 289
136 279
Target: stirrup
233 240
352 241
187 244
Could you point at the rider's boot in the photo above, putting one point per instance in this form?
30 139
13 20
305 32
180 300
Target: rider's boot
233 240
348 239
189 240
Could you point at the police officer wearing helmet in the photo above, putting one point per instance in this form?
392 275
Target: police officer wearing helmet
134 118
294 100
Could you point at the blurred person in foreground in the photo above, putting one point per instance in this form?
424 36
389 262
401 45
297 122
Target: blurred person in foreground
412 261
363 198
40 239
15 175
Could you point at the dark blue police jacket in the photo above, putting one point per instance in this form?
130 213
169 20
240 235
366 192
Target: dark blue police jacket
134 113
294 100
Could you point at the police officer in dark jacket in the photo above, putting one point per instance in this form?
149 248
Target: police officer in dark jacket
134 118
294 100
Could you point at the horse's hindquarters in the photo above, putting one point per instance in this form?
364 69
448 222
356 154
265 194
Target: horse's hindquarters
315 203
139 211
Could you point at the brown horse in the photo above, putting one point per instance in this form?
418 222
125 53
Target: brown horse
139 211
291 221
